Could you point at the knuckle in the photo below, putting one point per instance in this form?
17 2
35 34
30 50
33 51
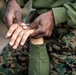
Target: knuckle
10 30
17 31
20 35
43 31
46 35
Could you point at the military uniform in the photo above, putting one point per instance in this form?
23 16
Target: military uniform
61 46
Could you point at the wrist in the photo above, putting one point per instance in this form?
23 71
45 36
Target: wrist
6 1
37 41
20 2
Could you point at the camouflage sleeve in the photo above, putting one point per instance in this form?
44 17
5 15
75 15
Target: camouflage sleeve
66 13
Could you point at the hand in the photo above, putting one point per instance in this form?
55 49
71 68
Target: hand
13 11
45 23
18 35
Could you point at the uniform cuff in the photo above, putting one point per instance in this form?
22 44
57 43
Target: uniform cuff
38 51
60 15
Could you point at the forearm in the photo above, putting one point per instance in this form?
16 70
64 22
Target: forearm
67 14
20 2
38 58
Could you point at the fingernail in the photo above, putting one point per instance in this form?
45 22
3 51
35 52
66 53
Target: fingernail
11 43
23 24
14 47
8 34
22 43
25 27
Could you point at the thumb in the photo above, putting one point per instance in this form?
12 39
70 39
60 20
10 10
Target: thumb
35 24
8 21
36 33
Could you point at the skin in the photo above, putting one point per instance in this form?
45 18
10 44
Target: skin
37 41
45 24
21 37
18 37
13 11
41 31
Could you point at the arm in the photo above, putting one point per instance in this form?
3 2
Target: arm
58 15
67 13
38 58
20 2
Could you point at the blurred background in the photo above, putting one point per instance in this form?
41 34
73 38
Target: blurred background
3 30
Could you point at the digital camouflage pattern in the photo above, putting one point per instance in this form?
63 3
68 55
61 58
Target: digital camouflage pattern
61 48
14 62
62 51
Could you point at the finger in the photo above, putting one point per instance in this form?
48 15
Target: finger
23 24
14 36
44 35
8 18
17 42
27 26
35 23
18 17
8 21
11 30
25 36
36 33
